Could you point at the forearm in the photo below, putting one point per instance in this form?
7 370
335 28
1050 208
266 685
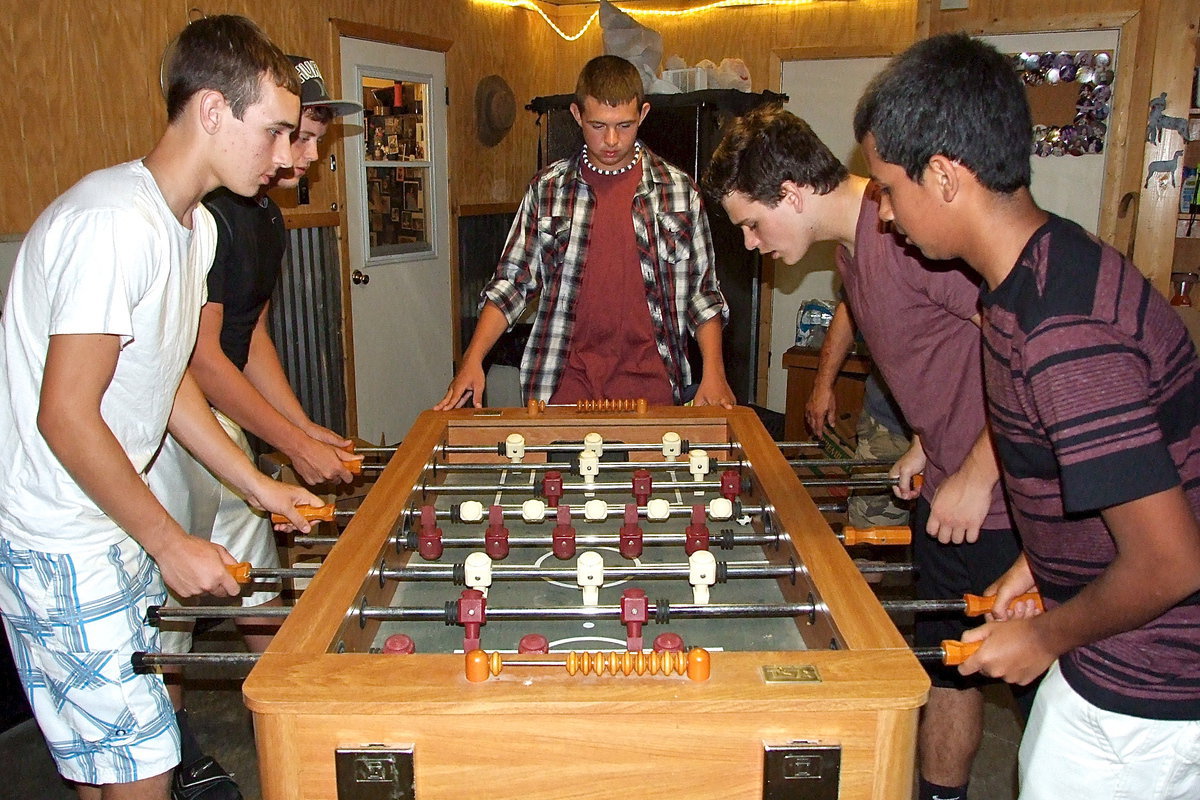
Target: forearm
839 340
981 467
708 337
491 326
194 425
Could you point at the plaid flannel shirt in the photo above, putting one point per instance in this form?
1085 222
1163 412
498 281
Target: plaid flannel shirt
547 248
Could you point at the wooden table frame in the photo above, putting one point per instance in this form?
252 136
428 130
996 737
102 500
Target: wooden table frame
550 735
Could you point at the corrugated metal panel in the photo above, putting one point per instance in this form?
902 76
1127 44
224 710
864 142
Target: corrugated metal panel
306 324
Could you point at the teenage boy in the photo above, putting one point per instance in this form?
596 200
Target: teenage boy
616 243
1093 388
786 190
238 370
100 320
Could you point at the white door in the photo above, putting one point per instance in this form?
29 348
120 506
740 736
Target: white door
399 224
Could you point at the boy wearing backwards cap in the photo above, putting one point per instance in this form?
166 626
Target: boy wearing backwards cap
239 372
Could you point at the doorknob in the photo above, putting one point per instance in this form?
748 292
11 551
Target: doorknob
359 277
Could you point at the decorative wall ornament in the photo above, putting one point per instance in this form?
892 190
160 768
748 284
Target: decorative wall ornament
1093 72
1160 121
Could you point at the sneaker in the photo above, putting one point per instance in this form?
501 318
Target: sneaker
204 779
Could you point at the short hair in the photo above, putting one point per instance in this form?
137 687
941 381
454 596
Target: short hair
610 79
953 96
321 114
226 53
765 147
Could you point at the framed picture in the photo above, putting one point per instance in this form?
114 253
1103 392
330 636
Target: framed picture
396 214
407 221
416 220
413 196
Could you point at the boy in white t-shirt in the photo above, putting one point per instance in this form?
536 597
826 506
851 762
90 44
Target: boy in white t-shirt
100 319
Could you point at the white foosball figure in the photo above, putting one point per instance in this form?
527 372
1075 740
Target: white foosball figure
590 574
720 508
470 511
702 573
533 510
658 509
589 468
595 510
595 443
478 572
698 466
672 445
514 447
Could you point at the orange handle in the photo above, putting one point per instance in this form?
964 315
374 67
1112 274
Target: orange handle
955 653
885 534
239 571
918 481
311 513
353 467
977 605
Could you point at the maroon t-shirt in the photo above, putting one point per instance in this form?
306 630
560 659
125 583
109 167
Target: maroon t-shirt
613 352
916 320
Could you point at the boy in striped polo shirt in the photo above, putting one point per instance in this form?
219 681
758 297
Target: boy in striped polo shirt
1094 395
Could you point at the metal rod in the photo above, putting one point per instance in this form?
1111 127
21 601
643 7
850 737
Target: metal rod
654 610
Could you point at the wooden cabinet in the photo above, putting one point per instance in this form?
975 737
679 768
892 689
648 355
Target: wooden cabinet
801 365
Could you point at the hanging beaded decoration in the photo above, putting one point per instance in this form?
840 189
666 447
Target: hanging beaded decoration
1094 74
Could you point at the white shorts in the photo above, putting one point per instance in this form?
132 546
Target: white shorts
74 622
1073 749
210 509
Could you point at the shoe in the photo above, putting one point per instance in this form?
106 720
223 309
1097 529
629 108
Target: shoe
204 779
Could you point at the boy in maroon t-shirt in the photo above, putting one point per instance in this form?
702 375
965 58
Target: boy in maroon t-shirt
786 190
1094 397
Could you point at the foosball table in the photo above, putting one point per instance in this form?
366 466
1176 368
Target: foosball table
555 603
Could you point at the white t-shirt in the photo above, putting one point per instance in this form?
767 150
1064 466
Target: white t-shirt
107 257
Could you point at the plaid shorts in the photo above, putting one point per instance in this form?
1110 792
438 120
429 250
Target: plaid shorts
74 621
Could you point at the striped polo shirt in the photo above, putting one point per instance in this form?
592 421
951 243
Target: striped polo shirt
1094 392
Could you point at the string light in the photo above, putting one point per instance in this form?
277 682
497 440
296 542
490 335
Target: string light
648 12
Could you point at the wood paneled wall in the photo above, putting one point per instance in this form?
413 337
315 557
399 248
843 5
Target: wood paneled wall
82 84
82 77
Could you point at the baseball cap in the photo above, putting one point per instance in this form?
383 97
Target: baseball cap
313 91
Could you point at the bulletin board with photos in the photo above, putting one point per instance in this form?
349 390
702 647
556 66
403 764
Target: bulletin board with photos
397 166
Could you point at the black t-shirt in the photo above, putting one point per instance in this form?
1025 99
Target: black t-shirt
250 245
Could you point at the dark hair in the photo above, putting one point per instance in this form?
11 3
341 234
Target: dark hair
764 148
610 79
954 96
226 53
321 114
